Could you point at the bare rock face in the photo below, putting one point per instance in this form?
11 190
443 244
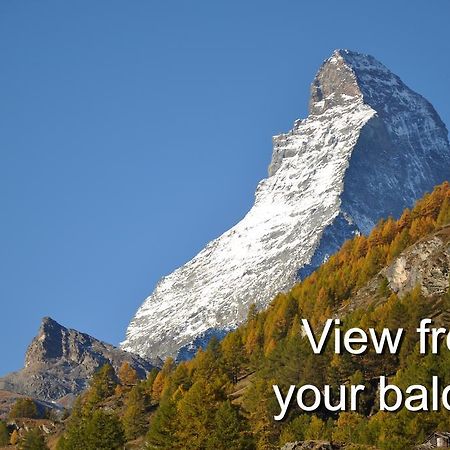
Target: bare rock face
59 362
369 148
425 264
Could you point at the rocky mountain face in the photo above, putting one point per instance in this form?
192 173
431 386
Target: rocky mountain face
369 147
60 361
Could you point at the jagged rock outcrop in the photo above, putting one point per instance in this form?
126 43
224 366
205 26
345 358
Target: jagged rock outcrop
425 264
369 148
59 362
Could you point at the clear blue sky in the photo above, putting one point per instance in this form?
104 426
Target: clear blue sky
133 132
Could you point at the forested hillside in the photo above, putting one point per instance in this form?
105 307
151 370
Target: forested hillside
223 398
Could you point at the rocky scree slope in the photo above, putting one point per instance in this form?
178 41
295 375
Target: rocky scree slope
369 147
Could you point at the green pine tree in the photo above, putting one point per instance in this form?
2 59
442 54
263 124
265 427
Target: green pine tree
161 434
74 437
104 431
101 387
24 408
228 432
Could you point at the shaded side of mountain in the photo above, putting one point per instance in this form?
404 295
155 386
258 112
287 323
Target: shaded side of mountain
60 361
200 342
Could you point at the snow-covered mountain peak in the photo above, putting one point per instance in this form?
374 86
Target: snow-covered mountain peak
369 147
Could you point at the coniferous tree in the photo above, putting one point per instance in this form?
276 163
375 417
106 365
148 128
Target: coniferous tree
196 411
316 429
252 313
127 375
158 386
4 434
147 384
295 430
161 379
233 355
24 408
229 431
101 387
259 402
135 418
104 431
208 364
347 427
444 214
74 436
33 440
162 431
103 382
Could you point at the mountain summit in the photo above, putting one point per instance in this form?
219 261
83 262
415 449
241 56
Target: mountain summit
60 361
369 147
